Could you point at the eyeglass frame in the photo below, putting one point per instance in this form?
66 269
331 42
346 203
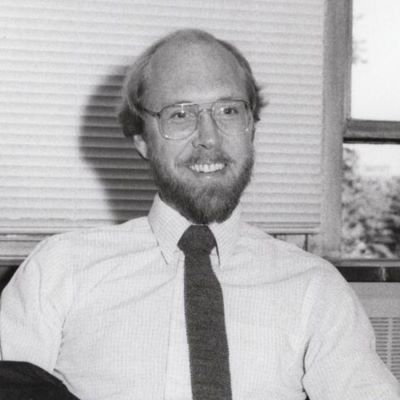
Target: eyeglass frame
157 114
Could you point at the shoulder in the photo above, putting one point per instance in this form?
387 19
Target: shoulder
109 235
283 260
58 263
85 246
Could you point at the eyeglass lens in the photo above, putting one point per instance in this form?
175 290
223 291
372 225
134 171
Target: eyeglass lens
179 121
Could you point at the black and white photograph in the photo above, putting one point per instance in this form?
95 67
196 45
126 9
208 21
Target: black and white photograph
199 200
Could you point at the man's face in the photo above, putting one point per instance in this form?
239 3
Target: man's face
203 175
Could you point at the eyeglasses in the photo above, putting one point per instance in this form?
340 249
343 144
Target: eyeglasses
179 121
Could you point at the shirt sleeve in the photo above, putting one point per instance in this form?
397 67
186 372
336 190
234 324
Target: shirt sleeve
33 306
340 360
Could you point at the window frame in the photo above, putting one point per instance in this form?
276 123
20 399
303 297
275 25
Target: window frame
340 128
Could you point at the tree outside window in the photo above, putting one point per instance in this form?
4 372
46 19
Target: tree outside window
371 157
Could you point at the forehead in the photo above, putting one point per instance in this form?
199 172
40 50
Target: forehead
193 71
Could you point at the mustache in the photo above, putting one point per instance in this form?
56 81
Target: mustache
208 158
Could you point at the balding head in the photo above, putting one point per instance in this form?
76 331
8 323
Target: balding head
193 47
191 66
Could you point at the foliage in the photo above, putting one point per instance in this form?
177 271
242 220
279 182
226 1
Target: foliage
370 213
392 218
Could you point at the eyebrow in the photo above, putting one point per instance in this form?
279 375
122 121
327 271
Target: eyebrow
208 102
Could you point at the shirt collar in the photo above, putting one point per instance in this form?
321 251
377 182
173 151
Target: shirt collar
168 226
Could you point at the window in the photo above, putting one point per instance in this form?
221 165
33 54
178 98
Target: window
362 111
371 182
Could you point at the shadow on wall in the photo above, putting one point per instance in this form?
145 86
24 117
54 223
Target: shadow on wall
125 178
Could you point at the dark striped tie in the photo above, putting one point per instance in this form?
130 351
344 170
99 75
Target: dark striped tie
205 321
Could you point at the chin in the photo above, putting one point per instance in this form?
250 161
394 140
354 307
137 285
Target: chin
206 202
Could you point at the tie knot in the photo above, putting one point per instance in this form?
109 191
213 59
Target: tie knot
197 238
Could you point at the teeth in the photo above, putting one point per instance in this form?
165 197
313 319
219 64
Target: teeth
207 168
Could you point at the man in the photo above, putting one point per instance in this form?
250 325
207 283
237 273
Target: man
108 310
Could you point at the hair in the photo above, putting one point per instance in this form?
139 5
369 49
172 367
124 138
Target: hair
129 114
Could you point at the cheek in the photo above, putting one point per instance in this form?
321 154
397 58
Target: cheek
166 151
241 148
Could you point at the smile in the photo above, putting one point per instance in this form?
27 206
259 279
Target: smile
207 168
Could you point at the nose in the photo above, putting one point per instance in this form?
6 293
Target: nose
207 134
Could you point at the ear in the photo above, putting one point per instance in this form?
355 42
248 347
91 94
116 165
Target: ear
140 145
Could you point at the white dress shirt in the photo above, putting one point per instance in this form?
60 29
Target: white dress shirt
103 310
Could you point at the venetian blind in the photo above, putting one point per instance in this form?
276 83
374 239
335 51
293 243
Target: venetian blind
64 162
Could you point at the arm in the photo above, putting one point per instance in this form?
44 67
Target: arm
340 361
33 306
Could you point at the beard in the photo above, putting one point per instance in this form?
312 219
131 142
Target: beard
205 203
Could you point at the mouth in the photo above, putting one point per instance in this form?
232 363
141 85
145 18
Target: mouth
207 168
